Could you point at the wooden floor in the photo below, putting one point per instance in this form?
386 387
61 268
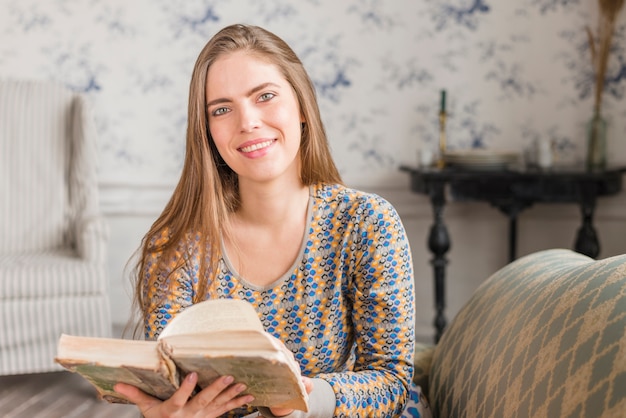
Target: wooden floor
55 395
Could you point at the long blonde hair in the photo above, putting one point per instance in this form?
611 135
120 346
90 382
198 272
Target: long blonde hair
207 191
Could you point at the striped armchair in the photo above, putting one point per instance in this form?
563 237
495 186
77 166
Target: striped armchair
52 237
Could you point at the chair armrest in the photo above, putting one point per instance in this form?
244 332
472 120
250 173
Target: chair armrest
423 359
92 235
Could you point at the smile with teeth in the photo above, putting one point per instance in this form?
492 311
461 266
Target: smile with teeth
256 146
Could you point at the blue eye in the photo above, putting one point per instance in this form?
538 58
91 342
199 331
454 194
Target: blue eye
266 96
219 111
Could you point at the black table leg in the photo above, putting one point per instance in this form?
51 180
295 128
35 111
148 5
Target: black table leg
512 210
439 244
586 238
512 237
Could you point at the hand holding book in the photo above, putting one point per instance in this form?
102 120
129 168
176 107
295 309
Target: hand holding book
215 339
213 401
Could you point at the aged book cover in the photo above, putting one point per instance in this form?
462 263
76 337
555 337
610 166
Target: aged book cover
213 338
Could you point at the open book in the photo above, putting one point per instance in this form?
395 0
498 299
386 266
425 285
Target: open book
213 338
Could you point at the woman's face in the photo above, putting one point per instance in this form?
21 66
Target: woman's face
254 118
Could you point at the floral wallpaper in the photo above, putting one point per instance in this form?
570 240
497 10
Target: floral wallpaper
514 72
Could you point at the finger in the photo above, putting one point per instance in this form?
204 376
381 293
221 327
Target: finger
231 398
136 396
308 384
184 392
220 396
206 396
231 392
236 403
279 412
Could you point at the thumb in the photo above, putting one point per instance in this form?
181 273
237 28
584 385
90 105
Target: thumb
308 384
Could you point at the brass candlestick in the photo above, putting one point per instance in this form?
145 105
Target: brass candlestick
442 139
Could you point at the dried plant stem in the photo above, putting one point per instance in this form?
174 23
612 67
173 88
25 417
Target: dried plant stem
609 9
602 60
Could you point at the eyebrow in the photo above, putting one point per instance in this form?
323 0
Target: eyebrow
248 94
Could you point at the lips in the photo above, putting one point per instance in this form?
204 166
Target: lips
256 146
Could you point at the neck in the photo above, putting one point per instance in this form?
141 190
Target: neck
275 203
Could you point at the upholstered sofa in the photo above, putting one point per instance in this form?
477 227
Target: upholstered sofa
545 336
53 238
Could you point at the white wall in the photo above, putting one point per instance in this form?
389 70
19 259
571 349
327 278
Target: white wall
515 72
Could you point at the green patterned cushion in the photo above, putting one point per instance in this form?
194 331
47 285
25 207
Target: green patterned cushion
542 337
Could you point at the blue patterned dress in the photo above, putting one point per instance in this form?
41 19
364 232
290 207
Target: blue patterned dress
345 308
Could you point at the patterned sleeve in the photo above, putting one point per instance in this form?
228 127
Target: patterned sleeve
170 294
382 291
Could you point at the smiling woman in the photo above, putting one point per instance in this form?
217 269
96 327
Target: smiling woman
254 118
260 213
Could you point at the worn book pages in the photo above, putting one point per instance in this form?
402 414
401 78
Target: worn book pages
213 338
106 361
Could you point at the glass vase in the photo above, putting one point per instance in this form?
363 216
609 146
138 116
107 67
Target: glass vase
596 143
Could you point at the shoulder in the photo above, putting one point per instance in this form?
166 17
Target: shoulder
337 197
338 194
165 243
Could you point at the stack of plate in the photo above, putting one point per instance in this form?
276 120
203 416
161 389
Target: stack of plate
480 159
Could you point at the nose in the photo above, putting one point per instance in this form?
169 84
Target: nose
249 118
